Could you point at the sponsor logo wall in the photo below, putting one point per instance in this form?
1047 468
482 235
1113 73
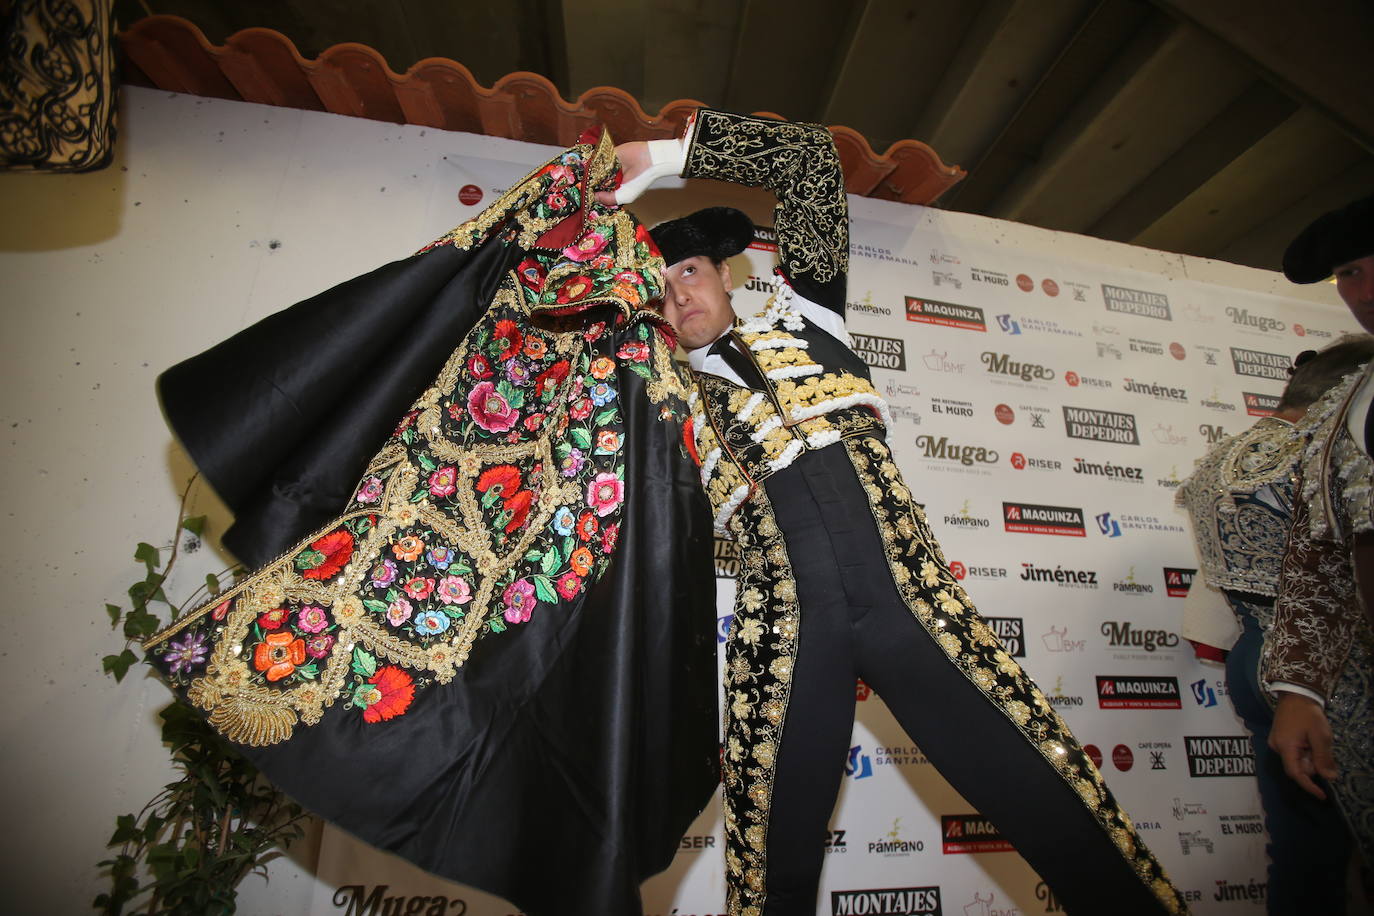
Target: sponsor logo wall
1044 412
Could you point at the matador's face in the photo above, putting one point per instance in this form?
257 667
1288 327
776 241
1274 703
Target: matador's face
696 300
1355 283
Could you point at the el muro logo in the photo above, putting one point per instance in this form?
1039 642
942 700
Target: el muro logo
947 314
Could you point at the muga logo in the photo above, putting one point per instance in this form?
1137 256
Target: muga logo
947 314
1121 692
1136 302
965 833
880 352
1220 755
894 901
966 455
1027 518
1012 632
1122 634
1003 364
1258 322
1177 581
1100 425
1260 364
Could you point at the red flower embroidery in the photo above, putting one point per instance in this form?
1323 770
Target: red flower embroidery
550 379
518 505
635 350
574 288
609 535
273 619
508 332
395 689
479 367
689 440
279 654
334 550
506 476
568 585
581 561
587 526
531 273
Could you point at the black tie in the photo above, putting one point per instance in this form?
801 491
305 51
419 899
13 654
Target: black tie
728 349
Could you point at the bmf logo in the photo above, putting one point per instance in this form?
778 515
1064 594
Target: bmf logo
1108 526
1008 324
859 765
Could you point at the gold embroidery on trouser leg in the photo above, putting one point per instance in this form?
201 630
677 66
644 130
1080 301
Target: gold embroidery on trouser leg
760 658
938 601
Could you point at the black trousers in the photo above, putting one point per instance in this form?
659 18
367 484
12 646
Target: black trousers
855 623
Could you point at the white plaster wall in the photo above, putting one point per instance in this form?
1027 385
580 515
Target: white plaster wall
108 278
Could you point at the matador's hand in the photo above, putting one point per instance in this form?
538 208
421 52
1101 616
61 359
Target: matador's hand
1302 737
634 165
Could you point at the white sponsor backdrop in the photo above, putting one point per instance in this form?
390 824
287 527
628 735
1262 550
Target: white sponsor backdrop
218 213
1024 382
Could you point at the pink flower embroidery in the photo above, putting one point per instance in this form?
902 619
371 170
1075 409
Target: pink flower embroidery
370 491
454 590
311 619
519 598
444 482
605 493
398 613
587 247
490 410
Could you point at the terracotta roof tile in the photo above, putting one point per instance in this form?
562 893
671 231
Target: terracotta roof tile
262 65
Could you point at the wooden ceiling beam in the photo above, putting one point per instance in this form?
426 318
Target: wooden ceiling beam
1248 118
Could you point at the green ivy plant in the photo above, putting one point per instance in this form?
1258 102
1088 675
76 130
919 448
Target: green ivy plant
189 847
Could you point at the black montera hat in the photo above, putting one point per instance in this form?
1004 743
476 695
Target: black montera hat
716 232
1332 240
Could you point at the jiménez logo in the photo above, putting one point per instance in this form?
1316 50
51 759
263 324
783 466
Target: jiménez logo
1129 301
1133 692
880 352
946 314
1028 518
892 901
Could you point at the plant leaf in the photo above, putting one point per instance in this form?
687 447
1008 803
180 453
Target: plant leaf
148 555
194 525
114 612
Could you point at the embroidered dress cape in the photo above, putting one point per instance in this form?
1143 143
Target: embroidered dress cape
467 641
798 472
1321 638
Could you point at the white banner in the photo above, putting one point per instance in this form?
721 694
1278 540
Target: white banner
1045 411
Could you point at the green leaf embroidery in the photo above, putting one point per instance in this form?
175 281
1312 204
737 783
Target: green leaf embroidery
364 663
550 563
543 588
581 437
426 462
